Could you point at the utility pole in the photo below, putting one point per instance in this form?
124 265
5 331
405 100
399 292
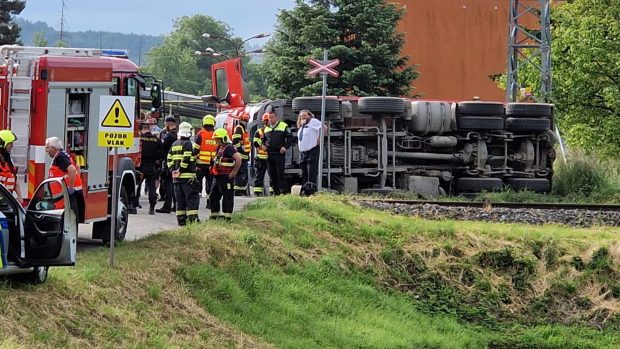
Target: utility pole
62 19
526 44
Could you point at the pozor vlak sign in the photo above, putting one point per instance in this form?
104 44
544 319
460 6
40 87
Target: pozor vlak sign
116 121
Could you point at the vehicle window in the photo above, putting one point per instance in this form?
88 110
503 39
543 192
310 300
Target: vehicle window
221 83
132 87
220 120
48 197
116 82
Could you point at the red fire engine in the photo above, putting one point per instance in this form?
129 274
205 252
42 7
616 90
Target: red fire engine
50 91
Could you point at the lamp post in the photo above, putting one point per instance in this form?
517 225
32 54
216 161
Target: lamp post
236 46
211 52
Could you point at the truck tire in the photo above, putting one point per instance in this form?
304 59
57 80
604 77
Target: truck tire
103 228
475 185
529 110
480 122
381 105
528 124
332 105
480 108
539 185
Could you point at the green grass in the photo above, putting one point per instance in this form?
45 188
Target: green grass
296 272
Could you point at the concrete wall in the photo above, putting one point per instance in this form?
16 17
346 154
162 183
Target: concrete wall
457 44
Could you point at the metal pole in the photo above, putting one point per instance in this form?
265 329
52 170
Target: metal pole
113 214
320 180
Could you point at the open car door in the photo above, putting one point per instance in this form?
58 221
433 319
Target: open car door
50 226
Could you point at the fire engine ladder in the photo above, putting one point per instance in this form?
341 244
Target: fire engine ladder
20 64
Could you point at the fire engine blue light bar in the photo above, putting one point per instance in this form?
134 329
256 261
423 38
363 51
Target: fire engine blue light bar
115 53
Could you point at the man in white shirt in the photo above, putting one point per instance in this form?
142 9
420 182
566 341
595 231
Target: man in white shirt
309 135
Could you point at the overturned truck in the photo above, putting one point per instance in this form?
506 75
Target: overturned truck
377 144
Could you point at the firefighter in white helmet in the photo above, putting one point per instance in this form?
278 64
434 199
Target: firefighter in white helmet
182 164
8 172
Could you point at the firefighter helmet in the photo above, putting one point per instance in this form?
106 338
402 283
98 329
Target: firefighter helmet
208 120
185 130
222 134
265 117
7 137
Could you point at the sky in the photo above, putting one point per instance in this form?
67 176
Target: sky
155 17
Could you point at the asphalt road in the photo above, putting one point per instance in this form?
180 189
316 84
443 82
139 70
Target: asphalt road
143 224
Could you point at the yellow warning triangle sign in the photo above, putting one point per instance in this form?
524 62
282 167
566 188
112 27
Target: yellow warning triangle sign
116 116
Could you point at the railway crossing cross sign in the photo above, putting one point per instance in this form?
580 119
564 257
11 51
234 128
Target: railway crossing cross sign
323 67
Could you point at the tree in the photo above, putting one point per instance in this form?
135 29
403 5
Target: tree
586 74
9 31
361 33
175 61
39 39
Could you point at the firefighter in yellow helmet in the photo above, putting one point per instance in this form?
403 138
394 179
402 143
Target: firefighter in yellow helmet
182 165
260 162
226 164
8 172
205 146
241 141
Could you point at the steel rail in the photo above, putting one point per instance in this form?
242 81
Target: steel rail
540 206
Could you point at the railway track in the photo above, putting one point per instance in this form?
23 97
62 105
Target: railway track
575 215
521 205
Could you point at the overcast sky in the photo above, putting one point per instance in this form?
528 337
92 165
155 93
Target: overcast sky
154 17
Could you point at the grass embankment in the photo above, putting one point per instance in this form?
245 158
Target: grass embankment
317 272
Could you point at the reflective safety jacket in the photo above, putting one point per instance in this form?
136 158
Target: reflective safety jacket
205 145
181 157
222 164
7 171
56 172
241 141
261 154
277 137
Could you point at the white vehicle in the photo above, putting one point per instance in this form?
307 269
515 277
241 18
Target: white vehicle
40 236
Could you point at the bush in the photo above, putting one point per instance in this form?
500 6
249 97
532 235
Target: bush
585 175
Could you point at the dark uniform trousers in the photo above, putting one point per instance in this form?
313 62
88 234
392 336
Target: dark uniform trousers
222 189
259 182
275 162
149 173
168 189
204 172
187 196
241 180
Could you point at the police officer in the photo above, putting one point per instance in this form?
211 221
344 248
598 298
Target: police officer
241 141
152 154
278 139
168 136
8 172
182 165
205 145
260 162
226 165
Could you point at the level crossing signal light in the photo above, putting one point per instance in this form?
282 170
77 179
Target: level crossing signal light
156 95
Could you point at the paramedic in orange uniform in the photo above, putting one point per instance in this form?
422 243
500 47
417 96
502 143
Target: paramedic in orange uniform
8 172
64 167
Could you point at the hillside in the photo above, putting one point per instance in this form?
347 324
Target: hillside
138 45
292 272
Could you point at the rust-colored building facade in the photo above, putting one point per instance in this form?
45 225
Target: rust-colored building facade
457 45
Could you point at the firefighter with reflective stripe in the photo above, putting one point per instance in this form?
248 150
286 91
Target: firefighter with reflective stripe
205 146
182 165
278 138
241 141
260 162
8 172
226 165
64 167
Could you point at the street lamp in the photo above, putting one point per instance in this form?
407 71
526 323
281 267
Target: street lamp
211 52
235 45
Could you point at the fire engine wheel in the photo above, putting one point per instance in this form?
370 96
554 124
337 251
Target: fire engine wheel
529 110
528 124
480 122
381 105
332 105
475 185
103 228
480 108
540 185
